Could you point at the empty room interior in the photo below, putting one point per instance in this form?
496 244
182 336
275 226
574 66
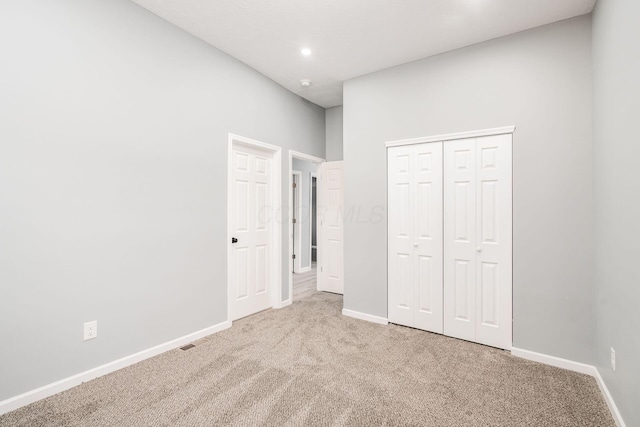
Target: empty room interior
319 213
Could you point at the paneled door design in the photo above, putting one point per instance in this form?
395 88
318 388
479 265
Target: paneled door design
450 235
251 230
494 241
330 206
415 236
460 231
478 240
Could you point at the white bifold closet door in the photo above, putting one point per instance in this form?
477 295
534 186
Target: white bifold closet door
415 228
478 240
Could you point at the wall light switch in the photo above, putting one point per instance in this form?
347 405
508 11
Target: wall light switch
90 330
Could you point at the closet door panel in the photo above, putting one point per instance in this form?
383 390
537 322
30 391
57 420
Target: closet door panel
401 257
428 236
460 238
494 247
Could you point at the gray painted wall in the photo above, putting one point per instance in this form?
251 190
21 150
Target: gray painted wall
306 168
113 152
538 80
334 133
616 62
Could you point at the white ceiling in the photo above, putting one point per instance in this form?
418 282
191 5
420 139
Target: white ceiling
349 38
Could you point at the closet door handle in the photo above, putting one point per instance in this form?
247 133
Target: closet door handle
415 245
478 249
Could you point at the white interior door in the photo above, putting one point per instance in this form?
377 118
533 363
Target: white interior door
460 241
251 230
415 236
478 240
494 250
400 227
428 236
330 206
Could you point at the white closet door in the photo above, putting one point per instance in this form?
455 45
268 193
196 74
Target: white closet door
478 240
330 203
494 241
400 227
427 232
459 239
415 236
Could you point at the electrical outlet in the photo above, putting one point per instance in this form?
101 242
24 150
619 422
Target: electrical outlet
613 359
90 330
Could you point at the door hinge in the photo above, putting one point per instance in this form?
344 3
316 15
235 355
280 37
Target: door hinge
293 220
294 185
293 256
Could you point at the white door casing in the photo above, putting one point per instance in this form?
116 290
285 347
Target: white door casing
312 216
415 236
251 222
330 206
297 226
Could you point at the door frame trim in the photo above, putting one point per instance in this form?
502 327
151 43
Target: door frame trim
276 224
311 211
297 236
313 159
452 136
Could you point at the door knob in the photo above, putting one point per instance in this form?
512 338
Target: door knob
415 245
478 249
234 240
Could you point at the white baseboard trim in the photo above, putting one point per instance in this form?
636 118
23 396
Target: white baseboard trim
364 316
285 303
582 368
570 365
43 392
24 399
304 269
615 413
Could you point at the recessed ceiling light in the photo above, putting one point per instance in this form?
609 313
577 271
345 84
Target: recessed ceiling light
305 83
306 51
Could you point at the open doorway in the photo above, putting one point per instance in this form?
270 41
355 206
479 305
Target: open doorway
303 225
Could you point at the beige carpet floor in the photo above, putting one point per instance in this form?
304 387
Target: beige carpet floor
309 365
